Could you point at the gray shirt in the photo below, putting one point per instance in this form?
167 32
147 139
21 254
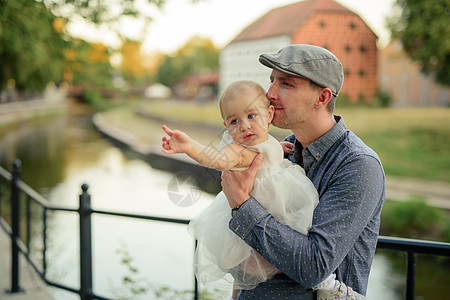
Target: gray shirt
350 181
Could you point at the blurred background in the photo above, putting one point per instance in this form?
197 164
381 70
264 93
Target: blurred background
85 86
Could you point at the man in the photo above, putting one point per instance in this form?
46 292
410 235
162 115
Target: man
348 175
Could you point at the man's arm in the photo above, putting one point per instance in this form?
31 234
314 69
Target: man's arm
345 208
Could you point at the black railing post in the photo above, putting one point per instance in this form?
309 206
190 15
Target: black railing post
85 211
44 241
411 276
15 224
28 225
196 292
1 197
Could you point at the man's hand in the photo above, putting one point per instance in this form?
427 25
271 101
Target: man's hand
178 141
237 185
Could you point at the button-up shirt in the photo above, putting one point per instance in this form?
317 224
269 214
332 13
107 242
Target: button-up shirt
350 182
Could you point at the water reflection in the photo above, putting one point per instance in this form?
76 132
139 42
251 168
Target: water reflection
384 280
60 154
39 148
162 252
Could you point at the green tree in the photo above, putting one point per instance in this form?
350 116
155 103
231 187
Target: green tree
87 64
198 55
201 55
34 39
31 49
103 12
424 29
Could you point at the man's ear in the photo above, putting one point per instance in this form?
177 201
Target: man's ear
271 111
323 98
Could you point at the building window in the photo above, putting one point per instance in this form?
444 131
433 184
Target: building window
362 48
348 48
322 24
362 73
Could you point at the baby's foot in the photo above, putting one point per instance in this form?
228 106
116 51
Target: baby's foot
339 291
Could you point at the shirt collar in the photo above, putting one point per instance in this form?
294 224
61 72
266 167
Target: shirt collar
320 147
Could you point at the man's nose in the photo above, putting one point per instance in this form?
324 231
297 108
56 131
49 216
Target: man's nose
271 92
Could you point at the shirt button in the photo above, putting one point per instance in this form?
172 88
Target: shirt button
257 249
317 155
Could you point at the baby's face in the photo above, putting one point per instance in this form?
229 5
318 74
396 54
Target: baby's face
247 117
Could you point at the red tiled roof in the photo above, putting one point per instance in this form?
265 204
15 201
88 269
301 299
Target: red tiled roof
284 20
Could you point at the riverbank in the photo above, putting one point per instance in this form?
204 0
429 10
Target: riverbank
12 113
130 127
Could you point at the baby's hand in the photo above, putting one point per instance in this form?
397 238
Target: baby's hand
287 147
178 141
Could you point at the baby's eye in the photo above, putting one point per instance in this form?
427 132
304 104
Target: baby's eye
251 116
233 122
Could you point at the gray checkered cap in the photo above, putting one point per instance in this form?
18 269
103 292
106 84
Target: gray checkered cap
314 63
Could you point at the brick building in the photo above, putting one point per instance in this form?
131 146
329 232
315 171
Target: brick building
401 78
324 23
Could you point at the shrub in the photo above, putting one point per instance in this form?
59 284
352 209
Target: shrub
384 99
414 219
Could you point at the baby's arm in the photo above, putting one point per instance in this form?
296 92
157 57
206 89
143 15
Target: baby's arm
232 155
287 147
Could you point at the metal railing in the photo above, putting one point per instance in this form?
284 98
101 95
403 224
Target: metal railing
85 211
17 186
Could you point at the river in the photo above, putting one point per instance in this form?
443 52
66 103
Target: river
61 153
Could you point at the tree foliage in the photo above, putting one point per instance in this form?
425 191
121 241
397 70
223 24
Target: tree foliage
424 29
31 48
87 64
198 55
132 58
34 41
101 11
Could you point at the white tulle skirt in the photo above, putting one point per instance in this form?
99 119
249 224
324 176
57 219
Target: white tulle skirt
222 258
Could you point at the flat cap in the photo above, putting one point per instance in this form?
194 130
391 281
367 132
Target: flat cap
314 63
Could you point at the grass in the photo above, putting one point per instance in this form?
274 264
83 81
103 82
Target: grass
411 142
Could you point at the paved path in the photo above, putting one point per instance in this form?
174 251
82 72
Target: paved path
20 111
435 193
32 285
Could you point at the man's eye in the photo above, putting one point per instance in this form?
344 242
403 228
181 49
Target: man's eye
251 116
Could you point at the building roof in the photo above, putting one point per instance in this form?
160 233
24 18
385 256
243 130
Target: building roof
284 20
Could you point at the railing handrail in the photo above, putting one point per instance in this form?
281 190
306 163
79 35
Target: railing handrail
411 246
414 245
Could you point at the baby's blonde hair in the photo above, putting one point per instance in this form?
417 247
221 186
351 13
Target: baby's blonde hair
232 91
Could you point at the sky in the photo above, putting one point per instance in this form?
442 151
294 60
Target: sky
219 20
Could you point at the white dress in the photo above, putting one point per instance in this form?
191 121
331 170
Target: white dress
283 189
